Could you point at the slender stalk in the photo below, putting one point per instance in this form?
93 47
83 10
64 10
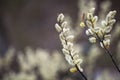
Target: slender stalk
110 54
107 51
115 64
85 78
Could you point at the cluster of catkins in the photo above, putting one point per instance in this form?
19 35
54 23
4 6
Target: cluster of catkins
96 32
102 31
67 41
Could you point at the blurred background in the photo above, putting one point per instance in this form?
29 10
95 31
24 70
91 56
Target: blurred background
30 47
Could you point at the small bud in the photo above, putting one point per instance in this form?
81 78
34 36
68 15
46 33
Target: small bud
63 42
73 52
75 56
92 39
110 15
65 51
70 38
69 45
95 19
89 16
66 30
107 43
73 70
61 36
60 18
107 36
101 44
99 31
58 28
81 69
69 59
111 22
82 24
89 32
89 24
108 29
104 24
64 24
77 61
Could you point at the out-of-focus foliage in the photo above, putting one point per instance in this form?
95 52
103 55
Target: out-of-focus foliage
40 64
34 63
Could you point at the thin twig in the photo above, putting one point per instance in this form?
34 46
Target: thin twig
107 51
85 78
110 54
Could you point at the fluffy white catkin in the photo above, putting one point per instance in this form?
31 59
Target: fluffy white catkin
66 38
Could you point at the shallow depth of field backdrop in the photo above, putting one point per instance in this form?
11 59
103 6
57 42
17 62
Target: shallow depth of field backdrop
27 30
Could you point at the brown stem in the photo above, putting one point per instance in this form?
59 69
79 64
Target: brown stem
85 78
110 54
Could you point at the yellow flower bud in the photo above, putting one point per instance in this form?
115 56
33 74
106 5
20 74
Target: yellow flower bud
82 24
94 19
73 70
